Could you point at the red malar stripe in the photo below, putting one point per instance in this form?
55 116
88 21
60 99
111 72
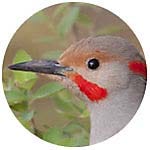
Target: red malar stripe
91 90
138 67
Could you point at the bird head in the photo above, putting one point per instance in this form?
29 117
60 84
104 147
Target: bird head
92 68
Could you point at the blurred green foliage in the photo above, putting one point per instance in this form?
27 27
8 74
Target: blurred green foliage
64 20
20 96
67 21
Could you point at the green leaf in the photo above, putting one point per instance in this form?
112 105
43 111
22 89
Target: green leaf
15 96
85 114
74 128
60 10
64 106
26 124
79 135
29 84
77 141
65 95
53 135
47 90
68 20
52 54
66 102
20 107
63 101
27 116
72 135
21 56
22 77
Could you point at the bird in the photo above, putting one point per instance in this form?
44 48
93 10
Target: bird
106 72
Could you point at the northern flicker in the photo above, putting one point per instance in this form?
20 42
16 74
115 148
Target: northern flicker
107 73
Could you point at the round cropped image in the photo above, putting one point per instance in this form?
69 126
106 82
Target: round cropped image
74 74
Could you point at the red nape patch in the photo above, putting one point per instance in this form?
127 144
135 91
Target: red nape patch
91 90
138 67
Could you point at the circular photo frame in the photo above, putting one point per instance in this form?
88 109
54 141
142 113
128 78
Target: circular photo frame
74 74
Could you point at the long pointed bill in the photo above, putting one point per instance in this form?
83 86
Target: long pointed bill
41 66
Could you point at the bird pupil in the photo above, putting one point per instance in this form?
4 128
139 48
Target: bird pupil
93 64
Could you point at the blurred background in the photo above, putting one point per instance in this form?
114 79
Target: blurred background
44 107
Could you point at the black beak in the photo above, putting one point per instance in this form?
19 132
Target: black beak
41 66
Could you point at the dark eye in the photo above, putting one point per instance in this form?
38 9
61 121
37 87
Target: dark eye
93 64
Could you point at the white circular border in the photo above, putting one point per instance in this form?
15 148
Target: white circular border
135 135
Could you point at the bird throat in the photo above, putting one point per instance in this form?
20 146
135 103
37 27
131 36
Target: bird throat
94 92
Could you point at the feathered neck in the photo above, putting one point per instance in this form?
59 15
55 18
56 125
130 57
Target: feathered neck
111 115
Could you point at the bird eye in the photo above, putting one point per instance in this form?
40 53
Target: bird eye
93 64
